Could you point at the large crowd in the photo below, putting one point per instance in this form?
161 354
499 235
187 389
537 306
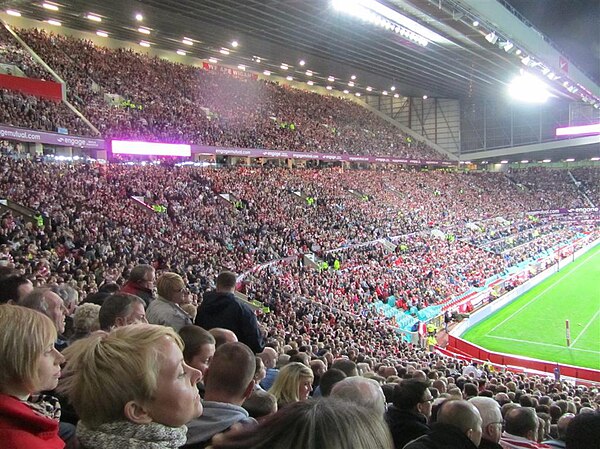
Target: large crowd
210 370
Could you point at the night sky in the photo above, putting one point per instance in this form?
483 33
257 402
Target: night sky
573 25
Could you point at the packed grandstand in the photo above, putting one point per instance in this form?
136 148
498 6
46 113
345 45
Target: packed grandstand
338 262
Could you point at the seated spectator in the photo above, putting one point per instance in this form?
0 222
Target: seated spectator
85 321
407 417
222 336
121 309
131 388
229 382
13 288
222 309
293 384
331 377
199 347
259 373
141 283
166 309
269 358
458 426
347 366
50 304
563 423
322 423
520 430
583 432
30 364
260 404
361 391
492 421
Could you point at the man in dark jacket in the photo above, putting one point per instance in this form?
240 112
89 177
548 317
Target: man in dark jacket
407 417
458 427
222 309
141 283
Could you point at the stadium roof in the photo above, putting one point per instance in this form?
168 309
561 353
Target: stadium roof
458 61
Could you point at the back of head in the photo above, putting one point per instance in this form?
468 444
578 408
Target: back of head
24 336
323 423
223 336
462 415
35 300
521 422
85 318
105 371
13 288
347 366
260 404
226 281
583 432
329 379
491 416
361 391
116 306
138 273
409 393
231 371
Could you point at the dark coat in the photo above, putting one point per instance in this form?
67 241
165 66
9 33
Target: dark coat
486 444
405 425
226 311
442 436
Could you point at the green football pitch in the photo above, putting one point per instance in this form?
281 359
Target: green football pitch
534 324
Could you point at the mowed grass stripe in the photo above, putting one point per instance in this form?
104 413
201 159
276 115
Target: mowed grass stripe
534 324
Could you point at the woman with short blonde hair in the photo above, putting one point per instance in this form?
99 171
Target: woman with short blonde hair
293 384
131 388
29 364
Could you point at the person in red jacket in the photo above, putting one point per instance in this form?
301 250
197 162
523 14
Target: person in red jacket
30 364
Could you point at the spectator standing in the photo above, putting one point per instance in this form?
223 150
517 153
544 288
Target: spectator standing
222 309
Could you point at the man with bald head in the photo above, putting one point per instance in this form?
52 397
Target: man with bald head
269 358
458 426
361 391
562 426
222 336
491 416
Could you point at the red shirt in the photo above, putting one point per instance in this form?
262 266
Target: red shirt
22 428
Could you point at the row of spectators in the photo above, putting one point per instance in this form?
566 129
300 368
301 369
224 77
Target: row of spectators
178 103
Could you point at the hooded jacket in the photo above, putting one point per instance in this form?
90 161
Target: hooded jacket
224 310
217 417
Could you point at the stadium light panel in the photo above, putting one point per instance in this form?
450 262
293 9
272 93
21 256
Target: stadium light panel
425 97
54 22
213 60
475 23
393 88
234 44
351 83
329 87
504 162
302 62
595 159
578 130
310 82
12 12
524 161
353 77
94 17
289 78
139 17
346 91
570 160
181 52
267 73
102 33
284 66
385 92
546 161
331 79
224 51
144 30
357 94
369 88
187 41
309 73
396 95
529 89
50 6
145 44
241 67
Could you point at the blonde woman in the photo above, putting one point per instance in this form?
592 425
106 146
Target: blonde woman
131 388
293 384
29 363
